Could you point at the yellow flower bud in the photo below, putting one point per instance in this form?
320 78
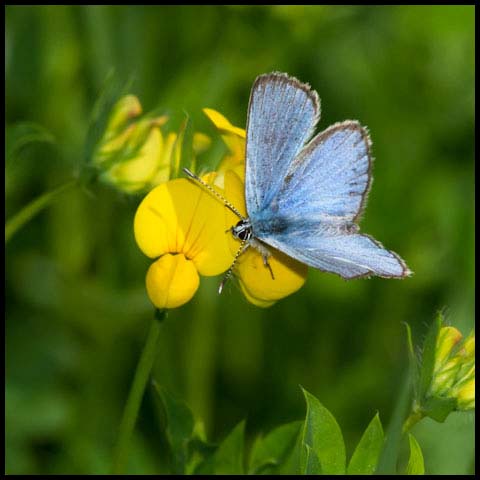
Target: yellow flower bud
171 281
125 109
466 395
134 156
447 339
454 370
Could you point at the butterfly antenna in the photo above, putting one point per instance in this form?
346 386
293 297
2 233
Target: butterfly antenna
244 245
214 192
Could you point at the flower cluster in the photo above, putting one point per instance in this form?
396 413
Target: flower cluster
454 368
184 229
134 153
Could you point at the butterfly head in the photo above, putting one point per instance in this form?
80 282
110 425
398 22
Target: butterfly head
243 230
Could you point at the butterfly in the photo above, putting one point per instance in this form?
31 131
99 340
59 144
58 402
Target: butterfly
304 195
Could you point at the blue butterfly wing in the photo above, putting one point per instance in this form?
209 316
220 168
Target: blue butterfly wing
350 255
282 116
311 218
331 176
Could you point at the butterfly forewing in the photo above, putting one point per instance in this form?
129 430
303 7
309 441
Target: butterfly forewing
282 115
330 178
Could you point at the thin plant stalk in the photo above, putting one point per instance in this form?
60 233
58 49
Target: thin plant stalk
140 379
29 211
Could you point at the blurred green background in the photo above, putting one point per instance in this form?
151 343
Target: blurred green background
76 309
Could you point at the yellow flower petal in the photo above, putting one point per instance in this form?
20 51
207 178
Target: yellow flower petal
126 108
234 138
256 279
171 281
222 124
466 396
163 171
180 217
448 337
134 174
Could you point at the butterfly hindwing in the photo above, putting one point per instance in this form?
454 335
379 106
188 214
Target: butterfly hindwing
282 115
350 255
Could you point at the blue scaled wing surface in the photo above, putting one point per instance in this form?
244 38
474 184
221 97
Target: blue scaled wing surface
304 200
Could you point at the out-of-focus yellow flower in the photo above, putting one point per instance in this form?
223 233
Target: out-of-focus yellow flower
183 226
136 156
255 279
454 369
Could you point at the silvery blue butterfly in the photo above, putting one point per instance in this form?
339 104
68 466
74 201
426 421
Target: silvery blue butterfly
305 195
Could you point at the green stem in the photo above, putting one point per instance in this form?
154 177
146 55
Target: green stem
130 413
29 211
412 420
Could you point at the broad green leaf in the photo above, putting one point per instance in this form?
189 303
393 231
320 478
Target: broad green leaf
179 424
415 462
365 457
312 464
439 408
228 458
272 450
323 435
428 357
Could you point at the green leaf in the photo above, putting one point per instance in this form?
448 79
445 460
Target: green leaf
228 458
439 408
272 450
291 466
21 134
365 457
415 462
312 464
323 435
179 423
428 358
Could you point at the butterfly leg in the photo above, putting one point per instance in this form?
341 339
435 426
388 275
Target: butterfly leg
265 252
265 262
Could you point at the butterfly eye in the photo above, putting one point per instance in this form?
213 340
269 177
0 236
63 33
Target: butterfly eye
242 230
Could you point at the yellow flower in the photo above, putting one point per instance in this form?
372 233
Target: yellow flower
183 226
454 369
138 156
255 279
466 395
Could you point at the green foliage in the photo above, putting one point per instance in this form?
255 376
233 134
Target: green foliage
311 447
365 457
76 308
415 464
322 440
271 451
